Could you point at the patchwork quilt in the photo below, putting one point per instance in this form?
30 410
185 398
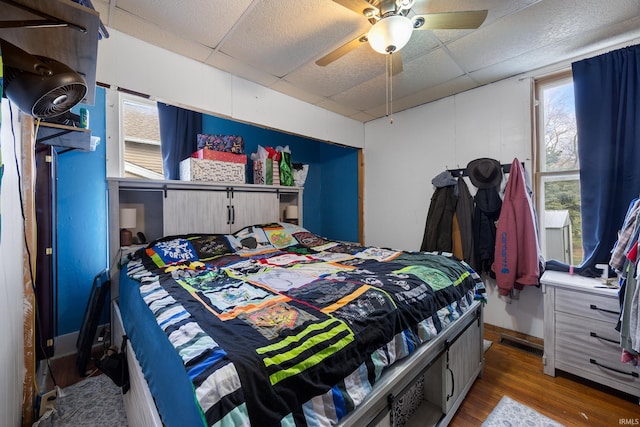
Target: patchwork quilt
278 326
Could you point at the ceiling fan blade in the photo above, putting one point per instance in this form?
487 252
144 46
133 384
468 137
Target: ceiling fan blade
358 6
396 63
342 50
450 20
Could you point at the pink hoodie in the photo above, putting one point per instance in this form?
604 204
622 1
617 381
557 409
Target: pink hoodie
516 262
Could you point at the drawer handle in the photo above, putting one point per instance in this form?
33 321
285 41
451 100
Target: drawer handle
594 335
633 374
595 307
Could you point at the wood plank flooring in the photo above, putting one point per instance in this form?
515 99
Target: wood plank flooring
508 371
518 374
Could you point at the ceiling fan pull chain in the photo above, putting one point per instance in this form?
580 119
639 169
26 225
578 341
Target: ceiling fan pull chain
386 82
390 79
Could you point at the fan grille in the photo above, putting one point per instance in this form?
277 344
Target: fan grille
58 100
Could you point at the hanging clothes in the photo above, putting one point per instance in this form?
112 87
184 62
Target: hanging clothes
438 230
464 215
516 251
624 261
485 214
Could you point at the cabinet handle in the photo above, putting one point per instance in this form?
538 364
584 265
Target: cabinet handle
228 214
594 362
453 384
233 214
594 335
595 307
447 345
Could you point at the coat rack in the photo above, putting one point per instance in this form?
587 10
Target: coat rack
506 168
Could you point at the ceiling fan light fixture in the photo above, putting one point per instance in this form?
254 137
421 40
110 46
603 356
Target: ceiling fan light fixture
390 34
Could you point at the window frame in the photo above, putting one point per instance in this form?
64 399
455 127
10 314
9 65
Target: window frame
115 164
539 151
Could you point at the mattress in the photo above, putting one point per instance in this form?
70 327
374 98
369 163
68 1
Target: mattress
275 325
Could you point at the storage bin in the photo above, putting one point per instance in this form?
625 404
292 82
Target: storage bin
193 169
225 143
221 156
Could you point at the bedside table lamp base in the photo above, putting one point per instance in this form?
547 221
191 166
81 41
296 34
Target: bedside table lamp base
126 237
127 221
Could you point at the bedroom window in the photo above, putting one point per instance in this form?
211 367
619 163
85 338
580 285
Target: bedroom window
140 130
133 132
558 169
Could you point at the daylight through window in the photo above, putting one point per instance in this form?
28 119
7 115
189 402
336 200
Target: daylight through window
141 137
559 169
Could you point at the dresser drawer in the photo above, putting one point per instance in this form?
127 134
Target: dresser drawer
598 307
592 347
593 339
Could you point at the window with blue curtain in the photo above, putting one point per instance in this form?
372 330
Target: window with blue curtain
179 129
607 101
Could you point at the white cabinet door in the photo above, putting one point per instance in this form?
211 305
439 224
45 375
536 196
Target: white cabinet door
193 211
251 208
464 358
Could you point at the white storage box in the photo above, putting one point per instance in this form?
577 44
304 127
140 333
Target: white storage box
192 169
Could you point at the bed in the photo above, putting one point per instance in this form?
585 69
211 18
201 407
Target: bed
274 325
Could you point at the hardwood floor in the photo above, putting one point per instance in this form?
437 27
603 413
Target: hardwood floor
508 371
65 373
518 374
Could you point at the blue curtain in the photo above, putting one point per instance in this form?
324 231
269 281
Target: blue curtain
607 101
178 136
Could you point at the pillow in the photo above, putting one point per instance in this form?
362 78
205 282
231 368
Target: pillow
187 248
172 251
250 240
209 246
281 234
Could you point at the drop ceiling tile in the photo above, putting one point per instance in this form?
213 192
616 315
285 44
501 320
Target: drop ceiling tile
204 21
497 9
296 92
275 43
456 85
231 65
429 70
279 36
543 24
364 96
150 33
354 68
561 53
331 105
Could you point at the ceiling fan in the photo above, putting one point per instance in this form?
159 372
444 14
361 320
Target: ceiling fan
393 22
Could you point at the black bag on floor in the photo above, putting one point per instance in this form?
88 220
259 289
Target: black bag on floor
114 365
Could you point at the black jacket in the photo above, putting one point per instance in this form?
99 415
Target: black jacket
485 215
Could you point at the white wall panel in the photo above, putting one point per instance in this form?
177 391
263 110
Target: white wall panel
256 104
127 62
402 158
130 63
11 293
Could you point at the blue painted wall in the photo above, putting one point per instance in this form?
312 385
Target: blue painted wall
82 221
331 188
330 201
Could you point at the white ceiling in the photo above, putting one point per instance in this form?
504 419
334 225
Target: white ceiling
276 42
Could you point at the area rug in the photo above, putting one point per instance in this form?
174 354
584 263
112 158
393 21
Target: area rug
93 402
508 413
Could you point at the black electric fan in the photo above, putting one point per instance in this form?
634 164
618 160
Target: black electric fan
38 85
